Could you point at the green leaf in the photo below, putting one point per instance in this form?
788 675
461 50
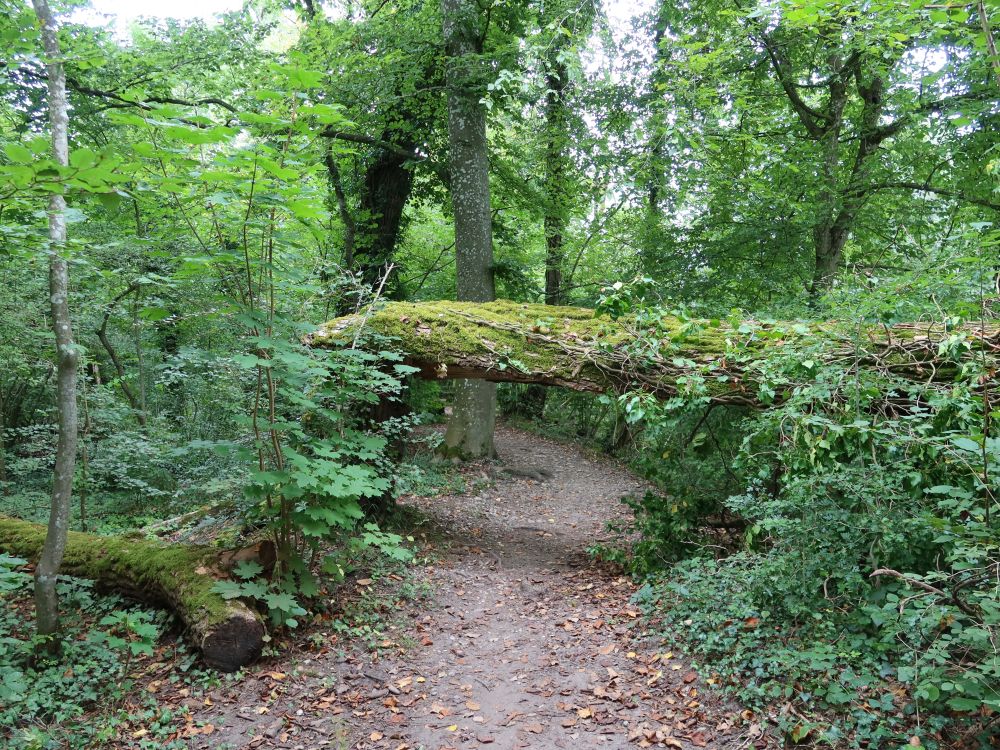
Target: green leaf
228 589
967 444
154 313
110 201
18 153
82 158
247 569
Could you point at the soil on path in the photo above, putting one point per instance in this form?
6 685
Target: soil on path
522 643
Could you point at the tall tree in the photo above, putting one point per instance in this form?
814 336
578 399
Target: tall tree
46 598
556 160
470 428
388 76
794 124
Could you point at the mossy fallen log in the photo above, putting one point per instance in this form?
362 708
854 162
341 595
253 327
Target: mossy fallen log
575 348
227 632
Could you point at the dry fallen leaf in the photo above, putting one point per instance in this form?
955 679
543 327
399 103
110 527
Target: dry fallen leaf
472 705
375 736
440 710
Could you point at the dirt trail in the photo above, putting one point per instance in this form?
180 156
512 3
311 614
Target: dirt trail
524 643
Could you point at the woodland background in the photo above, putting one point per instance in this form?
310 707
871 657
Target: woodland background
231 185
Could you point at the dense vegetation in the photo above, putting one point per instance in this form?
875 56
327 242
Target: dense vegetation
829 545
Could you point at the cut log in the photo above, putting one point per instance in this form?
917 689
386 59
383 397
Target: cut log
227 632
573 347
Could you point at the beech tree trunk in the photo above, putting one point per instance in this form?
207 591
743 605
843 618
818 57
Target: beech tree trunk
46 599
228 633
503 342
473 417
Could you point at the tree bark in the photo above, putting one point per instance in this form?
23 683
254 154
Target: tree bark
556 137
387 186
470 428
46 598
829 237
181 577
503 342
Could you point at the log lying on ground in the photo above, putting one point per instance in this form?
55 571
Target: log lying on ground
574 348
227 632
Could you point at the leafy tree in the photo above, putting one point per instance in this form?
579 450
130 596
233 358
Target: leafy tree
470 428
46 599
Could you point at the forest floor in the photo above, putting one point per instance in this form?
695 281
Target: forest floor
520 640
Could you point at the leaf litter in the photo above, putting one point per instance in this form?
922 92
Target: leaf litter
525 641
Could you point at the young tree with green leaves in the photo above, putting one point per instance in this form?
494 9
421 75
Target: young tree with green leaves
47 568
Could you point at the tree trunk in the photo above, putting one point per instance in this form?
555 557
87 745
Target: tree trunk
470 428
828 241
556 191
556 136
181 577
46 599
102 335
657 166
502 342
387 187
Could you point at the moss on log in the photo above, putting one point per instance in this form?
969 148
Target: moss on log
227 632
574 348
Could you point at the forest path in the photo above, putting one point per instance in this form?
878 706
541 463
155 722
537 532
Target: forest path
526 643
522 642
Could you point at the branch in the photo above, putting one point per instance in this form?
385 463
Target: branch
350 227
147 101
810 117
991 45
926 188
953 597
368 140
102 335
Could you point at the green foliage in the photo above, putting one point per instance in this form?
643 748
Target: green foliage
217 213
868 572
46 704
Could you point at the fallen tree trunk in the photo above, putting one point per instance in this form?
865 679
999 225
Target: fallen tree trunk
574 348
227 632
